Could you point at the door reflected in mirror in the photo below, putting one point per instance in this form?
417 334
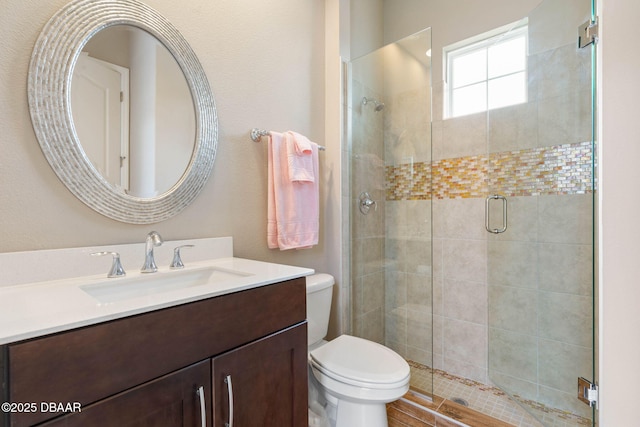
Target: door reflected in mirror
133 111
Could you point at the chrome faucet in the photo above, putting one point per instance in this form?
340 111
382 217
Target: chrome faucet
153 240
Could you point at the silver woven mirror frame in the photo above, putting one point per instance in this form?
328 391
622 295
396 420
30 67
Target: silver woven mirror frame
49 83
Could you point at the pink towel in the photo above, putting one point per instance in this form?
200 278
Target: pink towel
292 206
299 157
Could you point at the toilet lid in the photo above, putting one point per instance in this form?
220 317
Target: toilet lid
360 360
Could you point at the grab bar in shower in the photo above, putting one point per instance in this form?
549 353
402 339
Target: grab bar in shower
487 215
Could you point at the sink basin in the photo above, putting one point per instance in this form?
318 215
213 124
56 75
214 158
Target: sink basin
113 290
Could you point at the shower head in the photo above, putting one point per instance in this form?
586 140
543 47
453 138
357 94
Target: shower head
378 106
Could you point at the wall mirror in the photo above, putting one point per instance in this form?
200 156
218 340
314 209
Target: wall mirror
122 110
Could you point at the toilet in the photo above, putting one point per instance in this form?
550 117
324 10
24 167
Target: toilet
354 377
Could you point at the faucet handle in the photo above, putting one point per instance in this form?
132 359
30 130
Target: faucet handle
116 266
177 261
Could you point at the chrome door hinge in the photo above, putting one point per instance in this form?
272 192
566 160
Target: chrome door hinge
588 33
588 392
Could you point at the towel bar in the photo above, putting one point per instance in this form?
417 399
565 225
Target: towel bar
257 134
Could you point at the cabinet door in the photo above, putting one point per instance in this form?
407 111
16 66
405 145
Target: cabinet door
169 401
264 383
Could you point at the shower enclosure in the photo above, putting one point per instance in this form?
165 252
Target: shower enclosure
471 237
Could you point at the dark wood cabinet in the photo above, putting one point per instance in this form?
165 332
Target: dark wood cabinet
144 370
169 401
261 384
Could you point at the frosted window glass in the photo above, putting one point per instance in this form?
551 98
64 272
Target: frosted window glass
469 68
487 73
507 90
507 57
470 99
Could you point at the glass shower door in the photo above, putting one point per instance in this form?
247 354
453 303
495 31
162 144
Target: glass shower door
540 169
389 142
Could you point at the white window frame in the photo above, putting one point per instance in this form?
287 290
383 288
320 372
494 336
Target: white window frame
481 42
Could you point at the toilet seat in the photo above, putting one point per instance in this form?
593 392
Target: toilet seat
361 363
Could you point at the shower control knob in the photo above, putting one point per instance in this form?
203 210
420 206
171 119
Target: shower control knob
366 203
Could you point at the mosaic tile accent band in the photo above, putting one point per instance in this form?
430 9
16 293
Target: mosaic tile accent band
557 170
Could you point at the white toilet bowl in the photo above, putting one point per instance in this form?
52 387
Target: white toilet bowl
357 378
353 377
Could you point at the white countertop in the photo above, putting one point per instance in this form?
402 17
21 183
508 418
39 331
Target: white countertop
37 309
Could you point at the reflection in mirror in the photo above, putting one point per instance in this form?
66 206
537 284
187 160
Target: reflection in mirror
133 111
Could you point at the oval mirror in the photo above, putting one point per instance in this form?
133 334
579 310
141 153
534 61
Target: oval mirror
122 110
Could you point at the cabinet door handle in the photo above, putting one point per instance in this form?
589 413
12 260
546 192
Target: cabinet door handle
227 380
203 409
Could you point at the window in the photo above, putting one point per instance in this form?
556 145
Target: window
487 72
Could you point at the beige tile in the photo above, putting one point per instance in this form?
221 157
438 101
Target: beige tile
513 128
371 326
465 301
437 140
373 255
465 260
395 289
459 219
566 318
513 309
437 249
437 100
464 136
418 256
565 119
420 290
356 297
562 364
565 401
373 291
524 389
438 295
396 328
513 264
465 369
419 329
424 356
554 24
466 343
513 354
566 268
438 340
419 219
396 219
563 70
566 219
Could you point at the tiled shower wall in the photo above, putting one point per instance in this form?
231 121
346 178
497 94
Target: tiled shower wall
367 231
391 246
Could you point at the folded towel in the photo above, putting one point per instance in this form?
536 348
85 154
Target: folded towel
299 157
293 206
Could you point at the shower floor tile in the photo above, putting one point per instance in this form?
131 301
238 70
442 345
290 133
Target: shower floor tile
484 400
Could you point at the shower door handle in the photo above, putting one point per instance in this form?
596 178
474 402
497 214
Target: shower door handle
487 216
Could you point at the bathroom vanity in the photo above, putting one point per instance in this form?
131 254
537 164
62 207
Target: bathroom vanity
229 352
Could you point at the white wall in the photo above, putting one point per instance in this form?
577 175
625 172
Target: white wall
619 136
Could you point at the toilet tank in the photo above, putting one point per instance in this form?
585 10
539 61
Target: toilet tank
319 293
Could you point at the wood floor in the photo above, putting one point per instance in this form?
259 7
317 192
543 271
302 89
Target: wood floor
409 412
